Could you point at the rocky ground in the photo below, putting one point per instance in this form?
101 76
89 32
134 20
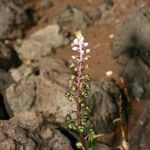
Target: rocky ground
35 53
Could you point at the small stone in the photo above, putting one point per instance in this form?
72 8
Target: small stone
15 75
109 73
46 133
19 42
111 36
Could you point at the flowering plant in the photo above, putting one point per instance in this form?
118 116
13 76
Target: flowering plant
79 86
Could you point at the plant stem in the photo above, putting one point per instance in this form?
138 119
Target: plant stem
79 73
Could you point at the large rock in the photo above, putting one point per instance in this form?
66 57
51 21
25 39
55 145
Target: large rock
72 19
29 131
140 137
41 93
13 19
41 43
104 102
131 48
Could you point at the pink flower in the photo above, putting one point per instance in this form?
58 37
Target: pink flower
78 43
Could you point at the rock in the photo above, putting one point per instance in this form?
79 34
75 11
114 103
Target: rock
139 83
29 131
21 96
72 19
14 18
3 113
41 43
15 75
47 3
104 102
132 49
99 146
140 137
5 81
41 93
133 36
8 57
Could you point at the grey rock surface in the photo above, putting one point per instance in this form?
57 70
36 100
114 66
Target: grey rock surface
99 146
41 43
8 57
5 81
104 102
31 132
41 93
131 48
140 137
14 18
72 19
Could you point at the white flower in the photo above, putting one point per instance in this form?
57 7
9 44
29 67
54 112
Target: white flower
86 43
74 48
88 50
78 44
73 57
76 41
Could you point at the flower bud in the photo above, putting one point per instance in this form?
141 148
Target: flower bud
88 51
72 126
73 77
82 104
86 44
87 57
87 66
87 86
88 108
72 65
87 77
67 94
73 57
79 145
73 88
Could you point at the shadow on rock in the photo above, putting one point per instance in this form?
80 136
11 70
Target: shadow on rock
131 47
14 18
8 57
140 136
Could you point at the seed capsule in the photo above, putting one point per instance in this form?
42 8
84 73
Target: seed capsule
68 117
81 129
82 104
88 108
72 126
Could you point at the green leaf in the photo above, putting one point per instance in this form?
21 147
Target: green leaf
90 141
